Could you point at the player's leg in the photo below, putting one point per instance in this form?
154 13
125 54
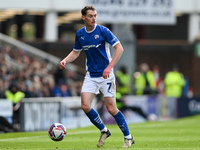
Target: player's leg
120 119
86 103
88 92
89 89
108 89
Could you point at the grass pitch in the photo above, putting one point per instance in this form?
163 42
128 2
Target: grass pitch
181 134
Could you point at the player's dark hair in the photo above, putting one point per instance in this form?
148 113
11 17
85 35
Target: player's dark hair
86 8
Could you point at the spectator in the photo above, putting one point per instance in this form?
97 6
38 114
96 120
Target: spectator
78 87
62 90
144 81
123 81
36 89
48 85
28 89
1 88
59 75
15 95
174 83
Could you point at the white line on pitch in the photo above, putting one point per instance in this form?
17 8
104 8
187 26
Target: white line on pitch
22 138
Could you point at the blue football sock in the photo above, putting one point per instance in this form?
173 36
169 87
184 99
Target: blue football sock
95 119
121 122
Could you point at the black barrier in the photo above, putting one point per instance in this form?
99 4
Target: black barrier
188 106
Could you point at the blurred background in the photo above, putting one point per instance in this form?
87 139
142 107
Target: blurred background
36 35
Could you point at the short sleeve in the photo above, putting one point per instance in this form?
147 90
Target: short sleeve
110 37
77 45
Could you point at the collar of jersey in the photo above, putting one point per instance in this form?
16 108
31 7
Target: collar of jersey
92 30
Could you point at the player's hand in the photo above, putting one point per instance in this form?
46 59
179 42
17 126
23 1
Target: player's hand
62 64
106 73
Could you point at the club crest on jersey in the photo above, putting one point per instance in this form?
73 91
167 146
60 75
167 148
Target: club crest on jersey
96 36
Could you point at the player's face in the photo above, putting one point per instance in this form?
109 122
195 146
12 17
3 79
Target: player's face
90 18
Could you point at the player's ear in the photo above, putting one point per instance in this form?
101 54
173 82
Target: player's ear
83 17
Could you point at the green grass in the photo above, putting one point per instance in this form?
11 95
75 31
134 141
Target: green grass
181 134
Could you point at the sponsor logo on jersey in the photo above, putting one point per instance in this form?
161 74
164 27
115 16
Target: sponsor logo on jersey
98 45
87 47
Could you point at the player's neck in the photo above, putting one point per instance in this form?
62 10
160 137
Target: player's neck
90 28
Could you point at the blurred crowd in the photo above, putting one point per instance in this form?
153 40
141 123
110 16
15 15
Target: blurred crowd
33 76
149 82
40 78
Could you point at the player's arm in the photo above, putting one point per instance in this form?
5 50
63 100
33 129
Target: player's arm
71 57
118 52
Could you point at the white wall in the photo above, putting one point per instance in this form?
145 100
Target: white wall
187 6
58 5
182 6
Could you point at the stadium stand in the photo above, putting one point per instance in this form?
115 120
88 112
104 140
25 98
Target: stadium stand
35 71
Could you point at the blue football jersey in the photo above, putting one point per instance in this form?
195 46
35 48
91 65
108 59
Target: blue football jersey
95 44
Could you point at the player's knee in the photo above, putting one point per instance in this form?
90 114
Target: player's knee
112 110
85 108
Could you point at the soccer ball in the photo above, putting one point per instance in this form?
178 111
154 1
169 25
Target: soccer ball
57 132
